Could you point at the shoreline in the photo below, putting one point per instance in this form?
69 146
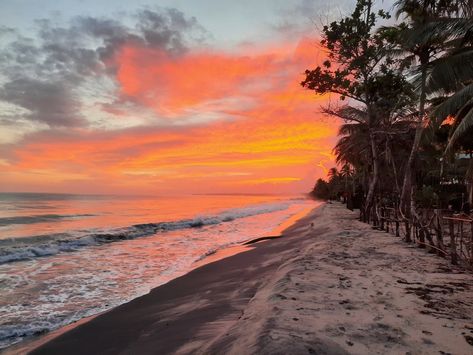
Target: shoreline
29 345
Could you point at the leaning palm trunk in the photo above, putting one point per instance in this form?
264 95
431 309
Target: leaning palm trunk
407 204
407 183
374 178
393 166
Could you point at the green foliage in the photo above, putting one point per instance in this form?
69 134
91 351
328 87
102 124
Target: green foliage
321 190
452 73
396 79
332 189
427 197
356 57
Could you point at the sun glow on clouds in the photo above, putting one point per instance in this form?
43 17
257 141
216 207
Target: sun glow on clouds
171 86
228 122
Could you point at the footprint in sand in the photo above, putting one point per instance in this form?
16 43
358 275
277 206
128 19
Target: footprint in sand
345 284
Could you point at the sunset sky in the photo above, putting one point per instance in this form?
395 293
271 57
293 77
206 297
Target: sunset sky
196 96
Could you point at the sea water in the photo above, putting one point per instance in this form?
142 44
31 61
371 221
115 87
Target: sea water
65 257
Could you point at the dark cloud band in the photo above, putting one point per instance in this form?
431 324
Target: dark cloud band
42 74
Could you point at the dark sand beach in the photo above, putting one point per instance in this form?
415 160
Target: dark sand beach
330 285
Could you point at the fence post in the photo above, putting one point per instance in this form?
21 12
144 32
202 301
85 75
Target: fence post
439 232
388 221
453 247
471 244
381 224
420 236
408 232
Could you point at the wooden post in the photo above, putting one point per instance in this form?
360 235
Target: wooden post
386 219
453 247
439 232
408 232
421 236
471 243
382 218
396 217
430 245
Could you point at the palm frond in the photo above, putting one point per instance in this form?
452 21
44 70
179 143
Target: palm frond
447 28
347 113
348 129
353 113
422 35
463 127
453 104
450 71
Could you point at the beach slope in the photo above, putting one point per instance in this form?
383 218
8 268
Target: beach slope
331 285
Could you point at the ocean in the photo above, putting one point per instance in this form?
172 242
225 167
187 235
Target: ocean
64 257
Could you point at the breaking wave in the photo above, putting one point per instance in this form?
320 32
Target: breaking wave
16 249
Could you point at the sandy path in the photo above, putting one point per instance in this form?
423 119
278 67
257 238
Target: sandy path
356 290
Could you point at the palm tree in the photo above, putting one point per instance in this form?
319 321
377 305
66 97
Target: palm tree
346 173
418 50
332 174
390 134
353 149
452 74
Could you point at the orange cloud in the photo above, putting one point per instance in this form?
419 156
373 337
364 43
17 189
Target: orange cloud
170 85
269 137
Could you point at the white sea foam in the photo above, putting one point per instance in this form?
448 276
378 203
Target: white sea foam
45 245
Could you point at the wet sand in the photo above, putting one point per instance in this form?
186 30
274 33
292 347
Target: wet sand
330 285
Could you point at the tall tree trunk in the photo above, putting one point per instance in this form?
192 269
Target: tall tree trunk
469 181
393 166
374 152
375 176
406 202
